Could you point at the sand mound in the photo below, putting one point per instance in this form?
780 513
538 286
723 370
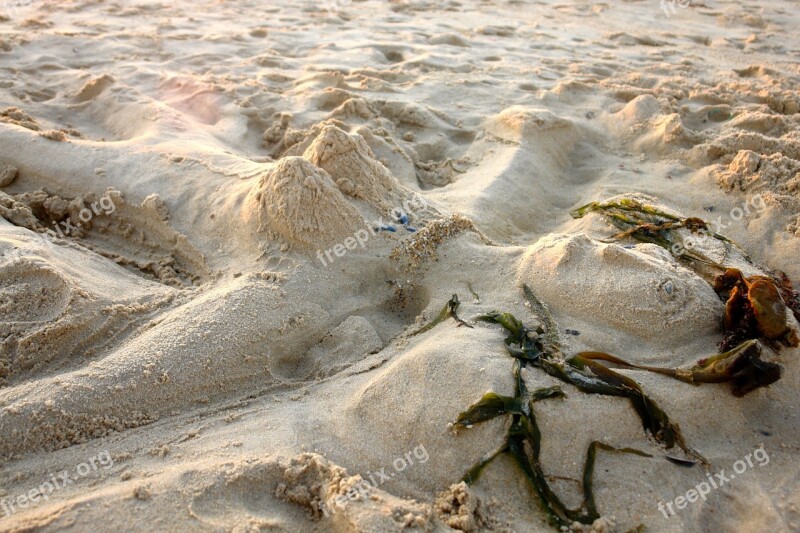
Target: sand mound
638 110
771 181
750 171
57 317
727 146
426 387
770 124
553 136
189 365
348 343
300 203
391 154
666 134
643 124
647 295
352 165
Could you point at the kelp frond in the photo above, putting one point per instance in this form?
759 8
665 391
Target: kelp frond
647 223
742 367
448 311
523 444
589 372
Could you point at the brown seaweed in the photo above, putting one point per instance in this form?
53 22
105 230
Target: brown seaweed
448 311
741 366
540 347
584 373
755 308
646 223
523 444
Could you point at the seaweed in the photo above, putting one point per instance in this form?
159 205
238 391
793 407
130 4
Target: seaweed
541 347
755 308
589 372
742 367
448 311
646 223
523 444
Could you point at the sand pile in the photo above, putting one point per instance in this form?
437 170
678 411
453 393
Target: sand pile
353 166
643 291
302 204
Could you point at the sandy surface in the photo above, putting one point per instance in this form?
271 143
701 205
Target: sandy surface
224 343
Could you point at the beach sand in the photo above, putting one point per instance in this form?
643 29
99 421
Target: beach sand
221 337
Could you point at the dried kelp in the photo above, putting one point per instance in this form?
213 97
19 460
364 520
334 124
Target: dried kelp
647 223
523 444
448 311
742 367
754 308
541 347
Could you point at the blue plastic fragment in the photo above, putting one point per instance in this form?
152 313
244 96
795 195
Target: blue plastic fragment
403 219
387 227
410 229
